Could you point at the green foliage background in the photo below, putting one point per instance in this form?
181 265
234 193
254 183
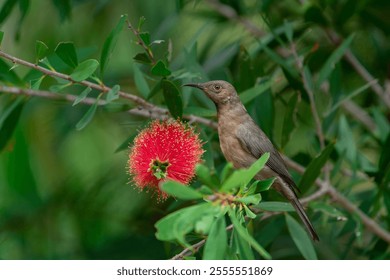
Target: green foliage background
64 192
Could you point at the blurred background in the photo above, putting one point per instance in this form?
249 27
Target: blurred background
65 194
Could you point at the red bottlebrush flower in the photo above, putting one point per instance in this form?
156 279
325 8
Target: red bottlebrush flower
167 149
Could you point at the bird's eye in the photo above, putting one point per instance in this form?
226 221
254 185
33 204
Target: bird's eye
217 87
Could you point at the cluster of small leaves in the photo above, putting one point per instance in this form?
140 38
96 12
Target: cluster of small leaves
222 201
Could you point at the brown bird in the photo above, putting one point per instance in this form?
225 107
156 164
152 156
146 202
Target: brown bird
243 142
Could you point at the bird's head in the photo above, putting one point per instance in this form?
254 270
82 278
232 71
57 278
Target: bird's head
220 92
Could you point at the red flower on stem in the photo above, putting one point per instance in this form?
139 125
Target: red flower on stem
165 149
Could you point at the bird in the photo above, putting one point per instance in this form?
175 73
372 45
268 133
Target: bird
243 142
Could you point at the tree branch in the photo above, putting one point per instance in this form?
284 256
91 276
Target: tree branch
145 108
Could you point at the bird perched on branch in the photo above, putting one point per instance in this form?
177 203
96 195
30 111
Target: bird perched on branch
243 142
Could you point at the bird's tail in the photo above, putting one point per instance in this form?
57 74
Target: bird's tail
305 219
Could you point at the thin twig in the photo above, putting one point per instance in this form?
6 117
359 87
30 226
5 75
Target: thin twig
141 42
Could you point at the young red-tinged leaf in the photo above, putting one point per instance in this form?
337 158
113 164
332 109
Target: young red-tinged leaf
86 119
67 52
82 96
301 239
172 98
84 70
40 50
160 69
180 191
110 44
216 243
113 93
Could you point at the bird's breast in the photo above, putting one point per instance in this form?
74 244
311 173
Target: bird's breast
231 147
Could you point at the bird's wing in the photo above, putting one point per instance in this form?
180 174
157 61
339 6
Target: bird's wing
254 140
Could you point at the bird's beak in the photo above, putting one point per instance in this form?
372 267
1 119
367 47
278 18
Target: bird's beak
199 86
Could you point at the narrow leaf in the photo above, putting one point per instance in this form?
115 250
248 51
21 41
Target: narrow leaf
242 177
243 233
140 81
275 206
82 96
172 98
180 191
250 199
249 94
113 93
160 69
67 52
301 239
314 168
1 36
110 44
216 243
86 119
9 120
333 59
84 70
40 50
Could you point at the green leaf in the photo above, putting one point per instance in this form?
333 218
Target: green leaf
64 8
141 22
275 206
265 185
40 50
110 44
1 37
350 96
289 120
160 69
9 119
180 191
242 177
35 84
216 243
249 213
84 70
333 59
249 94
301 239
250 199
206 177
82 96
6 9
327 209
113 93
177 224
67 52
145 37
125 144
86 119
243 233
199 111
314 168
140 81
172 98
142 58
